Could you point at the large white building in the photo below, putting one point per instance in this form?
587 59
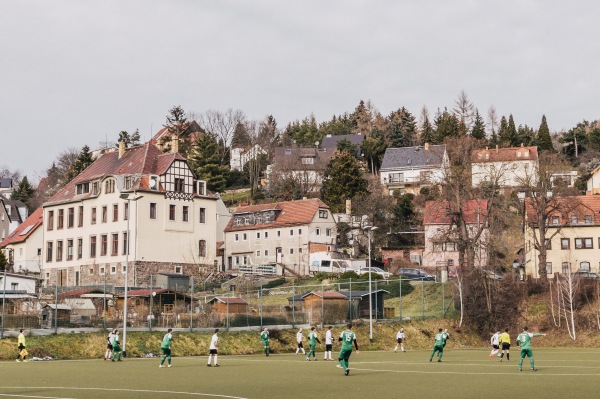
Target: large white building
139 198
508 167
281 234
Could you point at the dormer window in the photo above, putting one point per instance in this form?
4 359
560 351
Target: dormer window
518 154
526 154
109 186
307 161
201 187
288 151
95 188
409 161
83 188
127 182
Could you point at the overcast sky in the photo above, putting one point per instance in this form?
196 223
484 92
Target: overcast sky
78 72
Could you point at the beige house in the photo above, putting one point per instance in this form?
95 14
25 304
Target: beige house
270 237
25 244
509 167
141 199
572 238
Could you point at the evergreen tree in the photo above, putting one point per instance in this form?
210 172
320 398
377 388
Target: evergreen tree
504 133
3 260
343 180
512 131
304 134
206 163
361 119
575 141
24 192
544 141
346 145
525 136
338 125
373 148
403 128
478 131
446 125
84 160
426 129
594 135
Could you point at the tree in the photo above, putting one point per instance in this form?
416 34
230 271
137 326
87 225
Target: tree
478 130
426 131
338 125
512 132
373 148
343 180
543 140
84 159
3 260
465 112
525 136
346 145
222 125
575 141
362 118
492 124
204 160
446 125
403 128
504 137
130 140
24 192
304 133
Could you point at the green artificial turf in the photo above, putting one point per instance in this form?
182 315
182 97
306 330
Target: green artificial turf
562 373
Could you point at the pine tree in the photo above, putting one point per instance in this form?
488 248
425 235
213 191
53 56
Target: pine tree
373 148
446 125
504 133
426 129
24 192
525 135
205 162
512 131
544 141
3 261
343 180
403 128
84 160
478 131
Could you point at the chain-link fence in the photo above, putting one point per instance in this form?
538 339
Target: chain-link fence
262 303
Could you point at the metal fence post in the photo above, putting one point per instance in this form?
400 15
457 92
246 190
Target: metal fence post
422 299
400 283
260 310
322 304
192 305
350 295
56 304
293 304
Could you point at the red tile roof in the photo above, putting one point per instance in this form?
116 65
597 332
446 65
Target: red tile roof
28 226
440 212
580 206
505 154
291 213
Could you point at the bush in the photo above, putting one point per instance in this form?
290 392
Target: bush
274 283
394 288
351 274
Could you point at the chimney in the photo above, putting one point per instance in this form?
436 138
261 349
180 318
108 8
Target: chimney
174 144
426 146
521 145
160 145
348 207
496 148
122 147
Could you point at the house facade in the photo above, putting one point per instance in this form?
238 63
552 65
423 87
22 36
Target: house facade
407 169
508 167
12 214
441 238
25 244
138 198
593 182
572 238
281 233
240 156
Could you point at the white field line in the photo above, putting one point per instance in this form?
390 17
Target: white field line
118 390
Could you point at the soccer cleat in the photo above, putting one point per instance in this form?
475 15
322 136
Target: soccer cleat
347 372
520 369
217 365
161 366
307 359
18 361
439 360
315 359
533 369
169 366
430 359
208 365
112 360
500 359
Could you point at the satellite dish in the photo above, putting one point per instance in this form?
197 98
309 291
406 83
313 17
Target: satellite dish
316 143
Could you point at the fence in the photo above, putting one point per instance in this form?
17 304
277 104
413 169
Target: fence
328 302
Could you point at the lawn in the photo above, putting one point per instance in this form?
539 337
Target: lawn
563 373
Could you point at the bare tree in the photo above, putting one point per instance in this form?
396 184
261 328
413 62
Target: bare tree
465 111
221 124
492 121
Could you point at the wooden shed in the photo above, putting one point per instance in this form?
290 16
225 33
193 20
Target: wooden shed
231 305
62 312
361 299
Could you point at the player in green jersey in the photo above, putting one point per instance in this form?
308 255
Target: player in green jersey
116 346
312 343
438 346
165 347
347 337
264 337
524 341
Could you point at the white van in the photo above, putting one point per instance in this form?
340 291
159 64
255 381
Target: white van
336 266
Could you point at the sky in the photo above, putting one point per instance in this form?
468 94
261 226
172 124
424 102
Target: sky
75 73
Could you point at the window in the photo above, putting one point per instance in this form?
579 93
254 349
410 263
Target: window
14 286
92 246
125 243
102 270
244 260
185 216
50 220
437 247
307 161
589 219
95 188
115 213
80 219
450 247
202 248
291 251
548 243
258 253
126 211
266 235
59 250
565 243
83 188
396 177
299 232
115 244
109 186
278 233
574 219
61 219
584 266
328 232
179 185
79 248
70 218
104 214
178 270
103 244
584 243
299 250
202 217
322 213
318 231
152 210
113 270
236 237
555 220
69 249
93 220
291 232
266 252
171 212
548 267
258 234
49 251
237 260
245 236
566 267
91 270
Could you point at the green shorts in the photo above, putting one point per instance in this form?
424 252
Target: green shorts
345 354
526 352
166 351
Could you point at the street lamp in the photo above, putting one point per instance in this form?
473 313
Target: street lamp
127 197
369 230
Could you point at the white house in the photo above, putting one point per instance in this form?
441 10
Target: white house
509 167
281 234
12 214
25 244
407 169
141 199
240 156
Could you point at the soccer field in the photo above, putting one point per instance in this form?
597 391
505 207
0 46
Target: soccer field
562 373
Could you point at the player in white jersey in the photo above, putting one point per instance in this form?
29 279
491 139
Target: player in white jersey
495 342
299 339
214 346
328 343
400 340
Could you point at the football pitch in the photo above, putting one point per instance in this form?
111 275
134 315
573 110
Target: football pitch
562 373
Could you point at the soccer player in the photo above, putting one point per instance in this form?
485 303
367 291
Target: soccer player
505 345
109 347
399 339
347 337
21 345
524 341
446 336
165 347
299 339
214 346
328 343
438 346
495 342
116 346
264 337
312 343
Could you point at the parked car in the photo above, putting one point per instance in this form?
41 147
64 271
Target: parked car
416 274
374 270
491 275
584 274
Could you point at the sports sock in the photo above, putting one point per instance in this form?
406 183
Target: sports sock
209 358
216 362
508 356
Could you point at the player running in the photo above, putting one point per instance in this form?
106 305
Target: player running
312 343
347 337
438 346
165 347
524 341
299 339
495 342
